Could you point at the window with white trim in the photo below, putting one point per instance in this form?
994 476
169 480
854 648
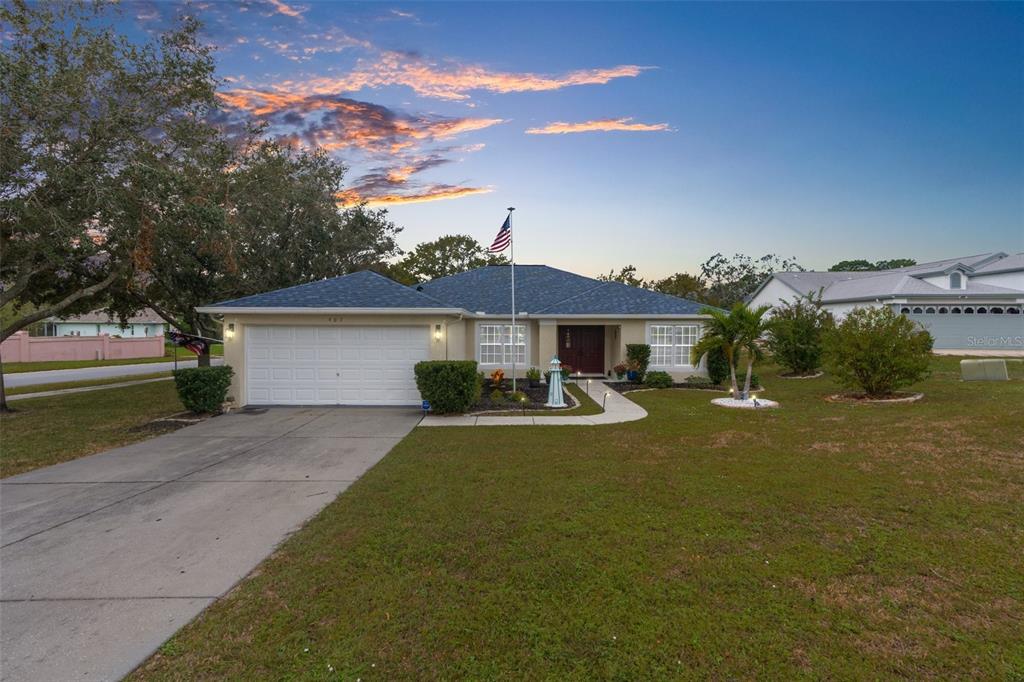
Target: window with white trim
671 344
497 347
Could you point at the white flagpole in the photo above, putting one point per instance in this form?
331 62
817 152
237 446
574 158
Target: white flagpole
512 253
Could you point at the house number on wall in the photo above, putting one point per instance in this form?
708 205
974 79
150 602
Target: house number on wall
335 320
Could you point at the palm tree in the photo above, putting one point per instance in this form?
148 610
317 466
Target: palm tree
724 332
752 327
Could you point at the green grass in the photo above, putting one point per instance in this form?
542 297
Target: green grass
586 407
45 431
60 385
815 541
183 354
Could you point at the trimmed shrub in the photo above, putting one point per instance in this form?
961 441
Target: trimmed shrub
795 334
639 357
698 380
450 386
658 380
497 397
877 351
718 366
518 397
203 389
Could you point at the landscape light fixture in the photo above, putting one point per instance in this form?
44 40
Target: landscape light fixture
605 399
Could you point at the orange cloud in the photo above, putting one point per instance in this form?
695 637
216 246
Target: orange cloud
604 124
433 193
347 123
281 8
451 81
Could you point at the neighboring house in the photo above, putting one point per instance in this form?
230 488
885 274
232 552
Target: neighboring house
968 303
353 340
144 323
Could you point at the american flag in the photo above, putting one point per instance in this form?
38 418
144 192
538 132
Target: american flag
504 237
196 344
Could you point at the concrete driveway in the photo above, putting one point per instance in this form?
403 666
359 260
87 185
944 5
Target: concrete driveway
105 557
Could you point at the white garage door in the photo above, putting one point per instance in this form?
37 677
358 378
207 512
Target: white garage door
334 365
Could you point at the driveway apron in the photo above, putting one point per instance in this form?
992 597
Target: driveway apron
105 557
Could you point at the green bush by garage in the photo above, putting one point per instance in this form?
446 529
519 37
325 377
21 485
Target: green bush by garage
450 386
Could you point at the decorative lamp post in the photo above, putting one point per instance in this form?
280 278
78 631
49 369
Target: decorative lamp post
555 396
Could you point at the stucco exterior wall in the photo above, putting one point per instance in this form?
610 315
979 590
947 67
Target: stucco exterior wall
450 346
94 329
772 293
458 338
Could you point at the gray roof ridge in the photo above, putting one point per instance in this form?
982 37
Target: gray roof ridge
329 279
600 284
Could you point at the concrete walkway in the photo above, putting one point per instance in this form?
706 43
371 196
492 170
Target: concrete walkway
55 376
84 389
105 557
618 408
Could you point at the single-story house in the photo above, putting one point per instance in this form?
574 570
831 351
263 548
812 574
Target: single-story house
144 323
966 303
353 340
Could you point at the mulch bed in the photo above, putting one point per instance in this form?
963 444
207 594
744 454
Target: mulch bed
627 386
170 423
860 399
536 397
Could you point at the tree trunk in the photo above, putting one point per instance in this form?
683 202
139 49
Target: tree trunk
732 376
3 390
746 380
204 359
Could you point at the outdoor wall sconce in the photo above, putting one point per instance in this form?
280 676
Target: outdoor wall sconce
437 332
230 332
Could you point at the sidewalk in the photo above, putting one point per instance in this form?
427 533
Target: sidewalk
83 389
618 408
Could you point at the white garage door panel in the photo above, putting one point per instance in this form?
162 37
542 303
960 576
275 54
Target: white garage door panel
334 365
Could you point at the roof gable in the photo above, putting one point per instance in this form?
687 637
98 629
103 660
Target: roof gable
486 289
363 289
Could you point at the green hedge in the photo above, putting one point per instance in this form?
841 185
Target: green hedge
203 389
450 386
639 357
658 380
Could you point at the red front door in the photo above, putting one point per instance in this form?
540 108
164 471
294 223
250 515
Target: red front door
582 348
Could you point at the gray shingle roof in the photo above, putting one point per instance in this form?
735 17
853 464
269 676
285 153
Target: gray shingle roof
906 281
540 290
363 289
614 298
487 289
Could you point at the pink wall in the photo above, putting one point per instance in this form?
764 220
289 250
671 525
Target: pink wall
20 347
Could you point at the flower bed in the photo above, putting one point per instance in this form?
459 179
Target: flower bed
535 397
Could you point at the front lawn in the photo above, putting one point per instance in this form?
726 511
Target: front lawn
216 350
45 431
815 541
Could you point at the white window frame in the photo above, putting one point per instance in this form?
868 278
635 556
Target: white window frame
485 332
672 341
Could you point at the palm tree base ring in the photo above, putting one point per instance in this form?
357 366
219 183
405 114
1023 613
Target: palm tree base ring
749 404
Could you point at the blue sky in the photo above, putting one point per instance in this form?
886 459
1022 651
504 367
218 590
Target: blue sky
821 131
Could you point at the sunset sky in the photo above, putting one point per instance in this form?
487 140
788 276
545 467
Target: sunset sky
652 134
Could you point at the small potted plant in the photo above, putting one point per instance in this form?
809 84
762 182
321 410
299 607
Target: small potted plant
633 370
620 370
533 375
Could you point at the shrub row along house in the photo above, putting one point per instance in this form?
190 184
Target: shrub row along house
354 340
967 303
